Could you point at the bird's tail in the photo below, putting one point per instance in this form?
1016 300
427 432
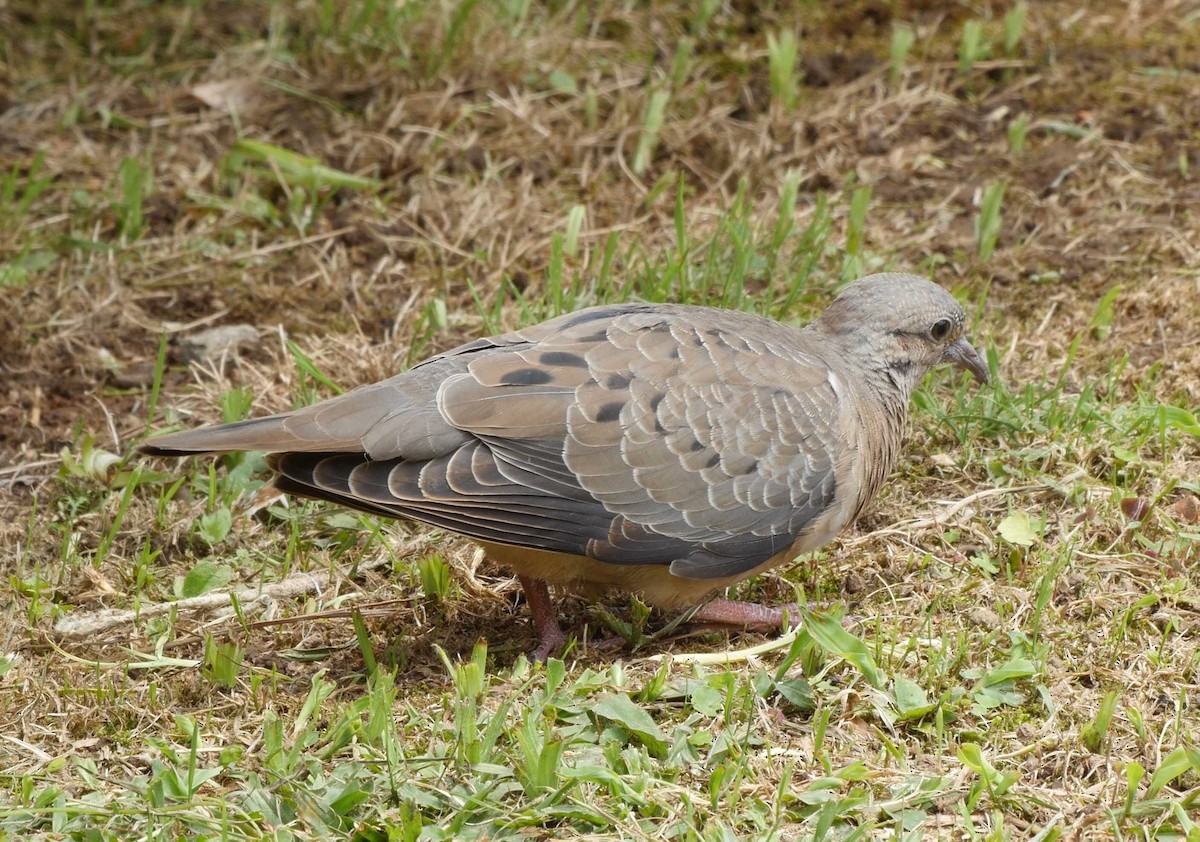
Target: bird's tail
268 434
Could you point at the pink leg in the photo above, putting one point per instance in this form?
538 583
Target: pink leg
750 615
545 617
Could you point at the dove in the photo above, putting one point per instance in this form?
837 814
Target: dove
665 450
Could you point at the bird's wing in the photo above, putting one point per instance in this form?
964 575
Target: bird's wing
629 434
394 418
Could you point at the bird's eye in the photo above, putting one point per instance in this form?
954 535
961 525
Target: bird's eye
940 329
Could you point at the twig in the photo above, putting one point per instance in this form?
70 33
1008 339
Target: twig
25 466
95 622
32 749
728 656
380 608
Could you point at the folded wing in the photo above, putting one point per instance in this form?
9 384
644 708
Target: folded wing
633 434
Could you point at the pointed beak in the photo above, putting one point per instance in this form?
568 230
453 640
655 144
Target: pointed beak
964 356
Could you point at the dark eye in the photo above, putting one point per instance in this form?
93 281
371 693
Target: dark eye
940 329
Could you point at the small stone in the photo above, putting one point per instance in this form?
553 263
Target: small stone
854 583
217 344
875 144
476 157
136 376
986 617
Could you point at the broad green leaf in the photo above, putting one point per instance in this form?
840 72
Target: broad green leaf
1125 455
300 169
998 783
1173 765
563 82
912 702
830 636
1134 772
1012 669
204 577
797 691
1020 529
1180 419
621 709
215 526
705 699
996 696
909 694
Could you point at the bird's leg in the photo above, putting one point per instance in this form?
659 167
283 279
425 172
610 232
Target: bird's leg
729 612
545 617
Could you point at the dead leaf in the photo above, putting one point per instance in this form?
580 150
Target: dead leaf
238 95
1186 509
1135 508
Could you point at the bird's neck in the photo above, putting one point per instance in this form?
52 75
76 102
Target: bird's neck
892 388
882 433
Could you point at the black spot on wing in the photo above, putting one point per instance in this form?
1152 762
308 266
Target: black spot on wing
526 377
616 382
562 359
610 411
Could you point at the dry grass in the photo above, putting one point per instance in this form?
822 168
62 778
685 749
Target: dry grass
483 127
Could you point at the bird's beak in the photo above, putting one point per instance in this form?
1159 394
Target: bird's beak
963 354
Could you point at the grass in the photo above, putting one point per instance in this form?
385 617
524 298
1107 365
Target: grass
988 224
366 184
903 39
782 54
973 46
1014 27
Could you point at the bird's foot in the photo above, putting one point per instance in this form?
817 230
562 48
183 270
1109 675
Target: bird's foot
750 615
545 618
550 641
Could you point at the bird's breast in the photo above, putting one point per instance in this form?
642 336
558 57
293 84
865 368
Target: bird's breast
877 440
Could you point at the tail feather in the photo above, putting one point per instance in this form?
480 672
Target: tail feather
270 434
395 417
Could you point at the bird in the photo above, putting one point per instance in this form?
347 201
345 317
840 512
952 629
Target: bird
666 450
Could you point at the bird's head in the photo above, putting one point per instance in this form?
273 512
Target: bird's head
902 326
